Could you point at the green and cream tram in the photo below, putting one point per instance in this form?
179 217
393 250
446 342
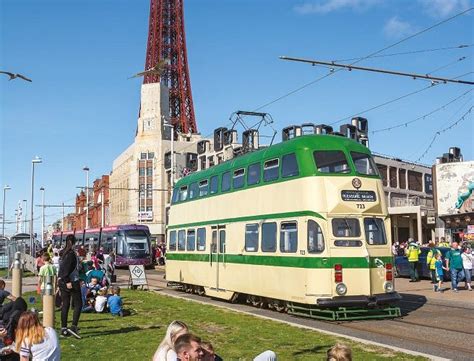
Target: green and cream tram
300 226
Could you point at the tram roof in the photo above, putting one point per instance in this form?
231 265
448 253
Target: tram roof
304 143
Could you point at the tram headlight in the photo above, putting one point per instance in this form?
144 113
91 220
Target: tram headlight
341 289
388 286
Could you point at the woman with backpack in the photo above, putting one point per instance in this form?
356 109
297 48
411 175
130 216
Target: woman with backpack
68 281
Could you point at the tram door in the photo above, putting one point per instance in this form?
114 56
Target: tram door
218 251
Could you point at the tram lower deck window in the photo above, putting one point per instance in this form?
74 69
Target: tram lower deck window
315 237
201 239
181 240
172 241
251 237
345 227
269 237
288 237
191 240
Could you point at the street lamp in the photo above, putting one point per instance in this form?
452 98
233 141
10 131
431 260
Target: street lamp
24 211
5 189
86 169
35 160
42 216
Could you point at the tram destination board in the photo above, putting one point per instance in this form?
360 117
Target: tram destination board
358 196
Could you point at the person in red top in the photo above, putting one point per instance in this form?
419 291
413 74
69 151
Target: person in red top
39 261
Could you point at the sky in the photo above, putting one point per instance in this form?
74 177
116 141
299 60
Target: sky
81 108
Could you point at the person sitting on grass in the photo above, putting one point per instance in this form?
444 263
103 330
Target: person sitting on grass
115 304
87 305
100 300
339 352
35 342
4 294
165 351
209 353
188 348
96 273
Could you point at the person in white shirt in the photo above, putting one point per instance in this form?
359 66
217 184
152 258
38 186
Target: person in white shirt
165 351
35 342
467 259
100 301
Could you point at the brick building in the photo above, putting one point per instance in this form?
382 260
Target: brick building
98 205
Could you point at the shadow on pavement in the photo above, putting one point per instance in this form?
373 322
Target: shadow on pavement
411 302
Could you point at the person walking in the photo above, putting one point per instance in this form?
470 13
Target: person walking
412 252
454 265
431 262
68 281
467 259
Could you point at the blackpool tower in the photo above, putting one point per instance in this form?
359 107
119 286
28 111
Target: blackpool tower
166 51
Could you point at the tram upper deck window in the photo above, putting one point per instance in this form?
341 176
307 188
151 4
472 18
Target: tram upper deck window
288 237
214 184
251 237
183 193
269 237
225 186
253 175
271 170
203 188
364 163
181 240
345 227
374 231
331 161
191 240
239 178
289 166
201 239
315 237
175 195
172 241
193 190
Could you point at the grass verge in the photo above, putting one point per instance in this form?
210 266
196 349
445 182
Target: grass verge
235 336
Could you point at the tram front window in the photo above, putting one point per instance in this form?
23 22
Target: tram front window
375 231
345 227
138 244
331 161
364 163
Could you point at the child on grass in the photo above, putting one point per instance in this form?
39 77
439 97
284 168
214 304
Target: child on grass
100 300
115 303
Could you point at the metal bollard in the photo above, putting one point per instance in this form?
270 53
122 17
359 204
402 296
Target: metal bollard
48 302
17 276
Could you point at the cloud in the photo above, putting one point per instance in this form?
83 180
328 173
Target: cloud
327 6
396 28
444 8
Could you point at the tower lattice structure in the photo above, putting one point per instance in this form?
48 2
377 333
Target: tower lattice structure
166 50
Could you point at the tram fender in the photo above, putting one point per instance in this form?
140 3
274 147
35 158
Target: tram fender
359 301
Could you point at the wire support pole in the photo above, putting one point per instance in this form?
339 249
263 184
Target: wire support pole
375 70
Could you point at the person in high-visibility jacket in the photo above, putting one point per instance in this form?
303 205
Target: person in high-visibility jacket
431 262
412 252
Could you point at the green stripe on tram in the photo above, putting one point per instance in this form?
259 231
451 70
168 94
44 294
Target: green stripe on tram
248 218
284 261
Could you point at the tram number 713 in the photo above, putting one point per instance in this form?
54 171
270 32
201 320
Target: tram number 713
360 206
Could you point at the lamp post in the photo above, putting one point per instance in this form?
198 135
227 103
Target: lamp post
42 216
5 189
24 211
36 160
86 169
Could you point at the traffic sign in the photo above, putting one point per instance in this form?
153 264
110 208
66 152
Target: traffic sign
137 275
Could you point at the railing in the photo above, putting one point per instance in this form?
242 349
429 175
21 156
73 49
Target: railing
412 201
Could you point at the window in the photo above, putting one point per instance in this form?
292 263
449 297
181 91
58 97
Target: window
151 155
214 242
183 193
402 173
149 171
201 239
141 171
181 240
415 181
269 237
175 195
214 184
193 190
172 241
347 243
392 172
383 173
142 155
225 182
191 240
315 237
331 161
222 241
345 227
270 170
428 184
289 165
364 163
253 175
251 237
288 237
239 178
374 231
203 188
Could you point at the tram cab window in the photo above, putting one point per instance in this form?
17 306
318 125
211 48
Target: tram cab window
288 237
374 231
253 175
251 237
239 178
183 193
174 199
289 165
331 161
191 240
201 239
364 163
225 186
269 237
182 240
271 170
193 190
172 241
315 237
214 184
345 227
203 188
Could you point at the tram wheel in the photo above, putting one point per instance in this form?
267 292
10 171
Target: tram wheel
255 301
200 291
279 306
